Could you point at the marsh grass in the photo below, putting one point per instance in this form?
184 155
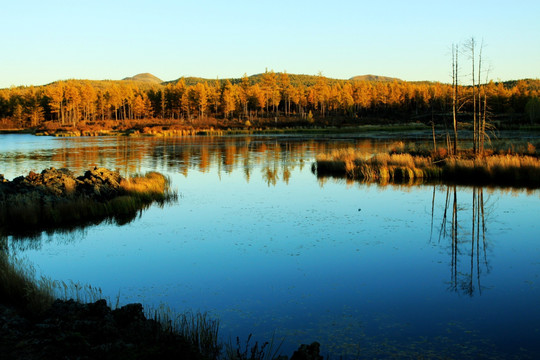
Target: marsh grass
20 288
503 170
197 328
381 167
267 351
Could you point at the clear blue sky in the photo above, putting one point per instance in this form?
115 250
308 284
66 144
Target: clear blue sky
44 41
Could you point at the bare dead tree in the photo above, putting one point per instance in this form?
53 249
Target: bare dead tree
455 93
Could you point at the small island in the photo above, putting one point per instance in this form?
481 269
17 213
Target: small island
56 198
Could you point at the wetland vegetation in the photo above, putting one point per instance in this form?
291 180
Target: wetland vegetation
494 169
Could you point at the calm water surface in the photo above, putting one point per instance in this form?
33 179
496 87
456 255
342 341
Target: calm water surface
261 243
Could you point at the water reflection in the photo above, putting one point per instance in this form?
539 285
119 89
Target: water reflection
469 258
32 238
277 157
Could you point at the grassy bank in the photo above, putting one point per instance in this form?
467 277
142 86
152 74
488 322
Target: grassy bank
502 170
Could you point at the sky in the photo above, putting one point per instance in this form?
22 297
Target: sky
45 41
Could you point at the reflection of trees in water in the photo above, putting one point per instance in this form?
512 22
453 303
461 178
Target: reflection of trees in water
32 238
130 155
468 247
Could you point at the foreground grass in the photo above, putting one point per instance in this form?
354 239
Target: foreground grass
503 170
32 297
19 287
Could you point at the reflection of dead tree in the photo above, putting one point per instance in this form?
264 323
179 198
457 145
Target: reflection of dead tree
464 281
432 213
445 215
454 241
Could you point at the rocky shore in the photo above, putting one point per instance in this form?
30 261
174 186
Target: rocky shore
60 184
72 330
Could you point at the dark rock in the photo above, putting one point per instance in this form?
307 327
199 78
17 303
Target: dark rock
54 185
307 352
72 330
128 313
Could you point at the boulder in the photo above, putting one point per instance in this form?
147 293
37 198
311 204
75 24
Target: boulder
307 352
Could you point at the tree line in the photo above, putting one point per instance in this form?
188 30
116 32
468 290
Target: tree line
268 96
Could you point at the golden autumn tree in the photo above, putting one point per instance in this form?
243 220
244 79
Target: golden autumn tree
32 107
257 97
73 101
55 93
347 99
270 87
228 99
286 91
243 94
214 96
88 101
198 99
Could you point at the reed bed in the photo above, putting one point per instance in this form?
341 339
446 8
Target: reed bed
197 328
381 167
503 170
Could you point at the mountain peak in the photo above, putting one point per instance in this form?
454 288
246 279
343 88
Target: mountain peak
145 77
370 77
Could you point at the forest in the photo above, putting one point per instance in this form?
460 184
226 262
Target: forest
268 99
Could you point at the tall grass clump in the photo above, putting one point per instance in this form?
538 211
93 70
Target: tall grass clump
197 328
152 186
21 289
266 351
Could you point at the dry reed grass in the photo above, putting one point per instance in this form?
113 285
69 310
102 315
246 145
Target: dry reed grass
507 170
381 167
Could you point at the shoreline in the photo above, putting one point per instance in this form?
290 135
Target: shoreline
171 129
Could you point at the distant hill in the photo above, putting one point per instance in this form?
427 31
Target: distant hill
145 77
295 79
531 84
370 77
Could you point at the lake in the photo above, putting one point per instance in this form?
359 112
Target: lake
261 243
